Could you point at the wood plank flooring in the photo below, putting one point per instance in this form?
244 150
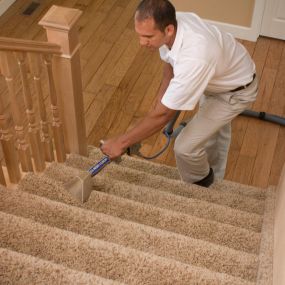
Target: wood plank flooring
120 81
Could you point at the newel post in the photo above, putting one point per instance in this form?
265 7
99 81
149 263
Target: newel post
61 28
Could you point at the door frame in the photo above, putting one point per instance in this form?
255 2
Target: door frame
246 33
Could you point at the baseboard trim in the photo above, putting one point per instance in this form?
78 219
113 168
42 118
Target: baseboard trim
4 5
240 32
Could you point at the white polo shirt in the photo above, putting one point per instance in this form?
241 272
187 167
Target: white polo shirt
203 58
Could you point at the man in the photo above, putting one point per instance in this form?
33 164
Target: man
199 60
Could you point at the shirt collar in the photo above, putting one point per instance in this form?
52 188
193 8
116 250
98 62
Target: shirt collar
177 42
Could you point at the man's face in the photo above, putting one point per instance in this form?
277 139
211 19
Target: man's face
149 35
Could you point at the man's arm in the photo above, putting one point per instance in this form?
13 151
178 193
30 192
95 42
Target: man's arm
155 120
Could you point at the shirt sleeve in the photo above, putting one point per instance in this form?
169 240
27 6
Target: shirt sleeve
190 80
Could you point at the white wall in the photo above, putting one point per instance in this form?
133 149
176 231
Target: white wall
241 18
227 11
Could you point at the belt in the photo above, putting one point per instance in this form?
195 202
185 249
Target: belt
244 86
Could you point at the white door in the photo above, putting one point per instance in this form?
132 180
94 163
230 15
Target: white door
273 22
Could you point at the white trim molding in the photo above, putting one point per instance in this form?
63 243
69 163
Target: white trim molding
4 5
242 32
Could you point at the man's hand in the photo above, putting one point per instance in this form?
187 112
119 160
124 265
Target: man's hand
112 147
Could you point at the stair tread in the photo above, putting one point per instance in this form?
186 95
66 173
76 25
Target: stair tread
101 258
195 227
170 201
138 236
226 198
172 173
199 228
162 199
242 189
139 164
18 268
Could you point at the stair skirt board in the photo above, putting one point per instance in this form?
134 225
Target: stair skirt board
141 225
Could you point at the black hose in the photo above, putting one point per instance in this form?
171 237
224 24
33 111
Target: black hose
265 117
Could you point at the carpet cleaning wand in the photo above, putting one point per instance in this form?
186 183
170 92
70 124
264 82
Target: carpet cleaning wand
96 168
81 186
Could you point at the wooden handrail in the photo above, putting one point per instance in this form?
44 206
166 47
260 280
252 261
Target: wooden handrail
11 44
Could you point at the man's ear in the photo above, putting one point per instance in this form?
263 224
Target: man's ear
170 30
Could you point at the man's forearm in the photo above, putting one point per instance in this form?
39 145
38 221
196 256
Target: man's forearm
167 76
156 119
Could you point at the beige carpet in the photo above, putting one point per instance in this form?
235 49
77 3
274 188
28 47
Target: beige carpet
141 225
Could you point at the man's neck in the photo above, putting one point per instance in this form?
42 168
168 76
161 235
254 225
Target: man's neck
172 40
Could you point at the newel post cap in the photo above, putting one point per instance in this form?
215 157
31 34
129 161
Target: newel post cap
60 18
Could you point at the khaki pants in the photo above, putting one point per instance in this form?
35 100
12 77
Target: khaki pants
205 140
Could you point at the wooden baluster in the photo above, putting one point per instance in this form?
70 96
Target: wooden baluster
56 123
7 141
2 177
9 70
9 150
33 130
36 70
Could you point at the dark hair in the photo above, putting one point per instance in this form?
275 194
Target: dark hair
162 11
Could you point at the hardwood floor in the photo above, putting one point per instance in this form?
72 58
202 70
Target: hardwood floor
120 81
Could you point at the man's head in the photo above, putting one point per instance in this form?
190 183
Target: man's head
155 23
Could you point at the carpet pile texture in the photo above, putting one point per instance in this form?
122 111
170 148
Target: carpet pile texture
141 225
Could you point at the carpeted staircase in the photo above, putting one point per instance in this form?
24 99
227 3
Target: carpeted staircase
141 225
